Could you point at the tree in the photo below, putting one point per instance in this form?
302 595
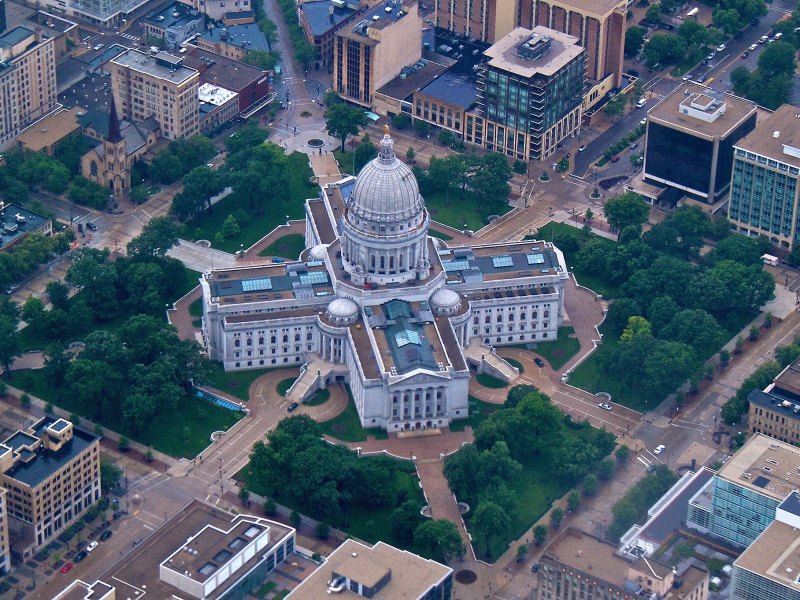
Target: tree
9 342
88 193
615 107
295 519
623 453
157 236
573 501
123 444
540 534
490 180
263 59
694 327
590 484
322 530
342 120
404 521
667 366
488 523
634 38
556 516
653 13
110 474
56 365
410 154
605 469
401 121
626 210
364 152
92 271
421 127
636 326
438 539
230 228
522 551
695 33
33 313
664 48
244 495
620 313
270 508
58 294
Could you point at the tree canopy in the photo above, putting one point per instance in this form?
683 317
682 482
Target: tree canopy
343 120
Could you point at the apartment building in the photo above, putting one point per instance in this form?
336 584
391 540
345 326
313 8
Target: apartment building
174 24
321 18
217 9
372 52
764 184
51 473
775 411
485 20
698 126
157 86
27 80
529 94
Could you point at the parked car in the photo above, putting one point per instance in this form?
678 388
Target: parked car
539 362
686 77
633 145
277 260
91 226
720 48
711 56
66 568
615 159
745 54
633 72
778 35
92 545
605 406
659 449
292 407
752 47
106 534
81 555
582 147
763 39
702 78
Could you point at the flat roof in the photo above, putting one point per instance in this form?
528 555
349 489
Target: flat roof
156 66
298 280
17 222
220 70
319 18
595 7
668 111
247 36
412 78
765 466
14 36
214 94
775 555
493 262
411 576
47 131
141 568
458 89
590 555
368 21
762 140
47 462
80 590
325 228
503 54
173 15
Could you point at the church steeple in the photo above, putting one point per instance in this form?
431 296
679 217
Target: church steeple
114 133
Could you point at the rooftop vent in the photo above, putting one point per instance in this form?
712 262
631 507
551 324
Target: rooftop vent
776 134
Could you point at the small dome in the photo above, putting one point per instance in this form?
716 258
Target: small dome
343 311
386 190
319 252
445 302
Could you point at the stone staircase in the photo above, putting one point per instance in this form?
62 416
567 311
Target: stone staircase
313 375
485 359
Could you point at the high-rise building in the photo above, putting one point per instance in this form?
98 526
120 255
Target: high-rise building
27 80
529 93
485 20
770 567
765 195
51 473
599 26
157 86
374 50
697 126
2 16
102 12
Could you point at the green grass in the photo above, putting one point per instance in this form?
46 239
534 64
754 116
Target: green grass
478 411
490 381
347 427
559 352
235 383
438 234
266 589
209 222
458 209
317 398
289 246
284 385
201 417
515 363
590 377
196 308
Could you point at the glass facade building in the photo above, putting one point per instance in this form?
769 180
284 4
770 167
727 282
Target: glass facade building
746 585
738 514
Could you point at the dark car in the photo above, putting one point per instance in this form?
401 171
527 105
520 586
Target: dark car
615 159
535 568
91 226
292 406
81 555
105 535
633 72
539 362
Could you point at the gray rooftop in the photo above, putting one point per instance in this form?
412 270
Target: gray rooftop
16 222
406 336
319 18
176 14
247 37
453 88
163 65
15 36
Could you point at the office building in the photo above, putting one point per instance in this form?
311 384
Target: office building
27 80
748 488
47 132
217 107
320 20
157 86
5 541
356 570
250 84
233 42
697 126
599 26
217 9
174 24
17 223
444 102
484 20
380 304
2 16
202 553
529 93
51 473
372 52
63 31
775 411
770 567
764 185
578 565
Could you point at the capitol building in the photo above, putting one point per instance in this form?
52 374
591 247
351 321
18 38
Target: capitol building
377 303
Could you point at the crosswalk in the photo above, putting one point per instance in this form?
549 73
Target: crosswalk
129 36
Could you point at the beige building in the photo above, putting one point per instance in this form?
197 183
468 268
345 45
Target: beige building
578 565
776 410
598 24
372 52
51 473
157 86
485 20
356 570
44 135
27 80
5 546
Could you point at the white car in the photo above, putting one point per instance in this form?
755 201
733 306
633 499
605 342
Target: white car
92 545
752 47
763 39
605 406
721 47
659 449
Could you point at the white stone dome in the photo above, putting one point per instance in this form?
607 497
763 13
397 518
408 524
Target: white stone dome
386 190
319 252
343 311
445 302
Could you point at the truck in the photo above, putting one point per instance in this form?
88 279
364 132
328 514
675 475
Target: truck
768 259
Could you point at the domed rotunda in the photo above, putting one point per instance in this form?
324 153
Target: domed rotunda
385 224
